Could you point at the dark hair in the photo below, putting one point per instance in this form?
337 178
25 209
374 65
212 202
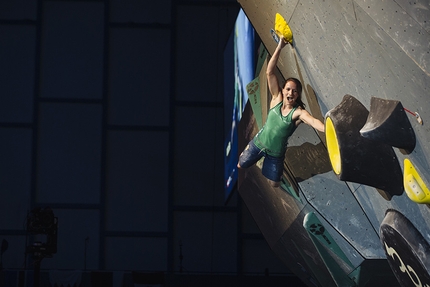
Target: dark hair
299 91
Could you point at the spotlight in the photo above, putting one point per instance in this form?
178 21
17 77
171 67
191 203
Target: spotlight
41 221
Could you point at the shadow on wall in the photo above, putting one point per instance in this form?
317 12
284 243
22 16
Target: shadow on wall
307 160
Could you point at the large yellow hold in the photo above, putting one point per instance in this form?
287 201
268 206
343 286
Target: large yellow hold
282 28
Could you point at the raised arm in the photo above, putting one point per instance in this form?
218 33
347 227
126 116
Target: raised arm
307 118
272 80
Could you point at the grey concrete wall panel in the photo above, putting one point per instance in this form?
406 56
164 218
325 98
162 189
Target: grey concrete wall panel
406 23
334 200
279 216
418 10
362 48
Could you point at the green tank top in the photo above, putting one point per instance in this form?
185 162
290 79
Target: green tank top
273 136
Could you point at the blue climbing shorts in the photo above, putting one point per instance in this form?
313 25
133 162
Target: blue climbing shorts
273 167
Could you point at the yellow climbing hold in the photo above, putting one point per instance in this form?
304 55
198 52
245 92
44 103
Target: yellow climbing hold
333 146
282 28
415 187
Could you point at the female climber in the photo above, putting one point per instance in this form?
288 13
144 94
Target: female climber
286 112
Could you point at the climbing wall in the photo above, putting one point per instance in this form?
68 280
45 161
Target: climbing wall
378 54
